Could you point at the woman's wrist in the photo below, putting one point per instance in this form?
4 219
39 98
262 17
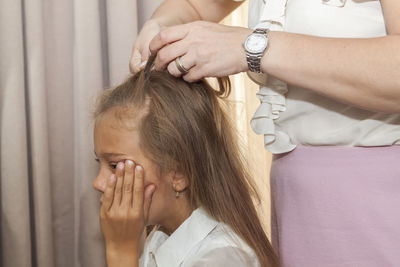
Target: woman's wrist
266 60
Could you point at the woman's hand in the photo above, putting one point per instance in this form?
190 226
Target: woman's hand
141 51
206 49
124 213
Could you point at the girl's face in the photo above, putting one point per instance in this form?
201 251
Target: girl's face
116 143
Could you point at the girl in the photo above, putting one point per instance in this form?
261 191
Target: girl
169 158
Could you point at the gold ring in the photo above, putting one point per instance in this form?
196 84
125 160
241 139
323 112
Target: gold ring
180 66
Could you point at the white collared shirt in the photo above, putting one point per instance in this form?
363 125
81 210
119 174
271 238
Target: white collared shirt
199 241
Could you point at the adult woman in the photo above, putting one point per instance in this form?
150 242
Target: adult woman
341 59
169 158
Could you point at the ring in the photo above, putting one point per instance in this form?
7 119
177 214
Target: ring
180 67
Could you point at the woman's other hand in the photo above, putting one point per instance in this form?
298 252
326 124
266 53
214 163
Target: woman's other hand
206 49
124 213
141 50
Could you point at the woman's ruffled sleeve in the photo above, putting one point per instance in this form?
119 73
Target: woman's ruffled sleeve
272 91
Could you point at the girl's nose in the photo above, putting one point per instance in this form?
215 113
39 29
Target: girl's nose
100 184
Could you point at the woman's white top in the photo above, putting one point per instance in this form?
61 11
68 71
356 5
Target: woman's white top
198 242
290 116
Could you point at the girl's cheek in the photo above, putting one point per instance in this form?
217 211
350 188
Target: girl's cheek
104 183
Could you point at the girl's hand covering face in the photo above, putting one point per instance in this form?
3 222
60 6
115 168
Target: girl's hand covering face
125 208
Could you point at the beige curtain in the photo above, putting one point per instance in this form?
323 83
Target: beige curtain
56 56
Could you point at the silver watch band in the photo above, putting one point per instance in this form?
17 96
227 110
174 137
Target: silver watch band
254 60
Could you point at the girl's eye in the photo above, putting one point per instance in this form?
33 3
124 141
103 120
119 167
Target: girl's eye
113 166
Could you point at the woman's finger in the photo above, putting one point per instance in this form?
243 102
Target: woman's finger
193 75
108 195
136 59
127 187
137 201
167 36
119 173
145 52
145 56
186 61
168 54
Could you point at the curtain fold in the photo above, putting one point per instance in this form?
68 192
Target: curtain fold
87 83
15 217
37 137
120 38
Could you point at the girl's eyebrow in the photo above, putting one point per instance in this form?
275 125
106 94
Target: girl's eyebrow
109 155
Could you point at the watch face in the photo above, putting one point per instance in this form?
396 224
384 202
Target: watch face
256 43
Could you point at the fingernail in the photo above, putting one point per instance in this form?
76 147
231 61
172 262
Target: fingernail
139 168
112 178
143 63
129 163
120 165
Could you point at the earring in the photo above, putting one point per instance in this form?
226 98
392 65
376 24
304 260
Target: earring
176 191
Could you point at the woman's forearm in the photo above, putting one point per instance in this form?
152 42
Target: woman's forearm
174 12
362 72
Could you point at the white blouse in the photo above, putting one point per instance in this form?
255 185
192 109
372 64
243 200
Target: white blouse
289 115
199 241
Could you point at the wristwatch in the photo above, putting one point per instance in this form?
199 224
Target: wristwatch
255 45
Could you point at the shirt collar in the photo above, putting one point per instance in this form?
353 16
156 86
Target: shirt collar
192 231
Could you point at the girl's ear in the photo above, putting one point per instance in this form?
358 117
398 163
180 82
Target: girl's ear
179 181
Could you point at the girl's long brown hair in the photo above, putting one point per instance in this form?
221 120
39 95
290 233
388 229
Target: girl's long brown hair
185 127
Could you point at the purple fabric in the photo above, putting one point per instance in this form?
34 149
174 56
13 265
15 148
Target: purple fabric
337 206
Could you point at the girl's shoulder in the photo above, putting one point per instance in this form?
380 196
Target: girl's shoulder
222 247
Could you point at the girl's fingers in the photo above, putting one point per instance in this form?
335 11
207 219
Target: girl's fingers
137 201
108 195
148 196
119 173
127 187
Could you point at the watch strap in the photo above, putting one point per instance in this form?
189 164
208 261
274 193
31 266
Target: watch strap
254 60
